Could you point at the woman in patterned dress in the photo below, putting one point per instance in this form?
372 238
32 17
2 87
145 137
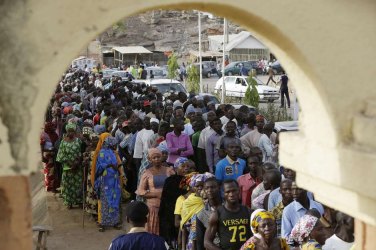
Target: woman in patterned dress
108 184
69 155
48 139
310 233
91 203
264 232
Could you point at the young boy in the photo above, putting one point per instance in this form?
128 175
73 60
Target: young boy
231 167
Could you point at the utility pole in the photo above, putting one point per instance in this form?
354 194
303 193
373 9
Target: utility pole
199 50
225 41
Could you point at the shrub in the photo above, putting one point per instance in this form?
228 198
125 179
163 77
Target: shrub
193 79
172 66
273 113
251 96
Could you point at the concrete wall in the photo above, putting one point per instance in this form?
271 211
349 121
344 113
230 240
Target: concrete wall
327 47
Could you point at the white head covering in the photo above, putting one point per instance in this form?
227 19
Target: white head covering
154 120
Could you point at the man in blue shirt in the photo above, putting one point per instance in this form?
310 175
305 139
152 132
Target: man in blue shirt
231 167
138 238
275 197
296 209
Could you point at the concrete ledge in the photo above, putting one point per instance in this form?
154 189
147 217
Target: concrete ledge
339 198
15 210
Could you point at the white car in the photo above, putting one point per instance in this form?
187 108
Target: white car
236 86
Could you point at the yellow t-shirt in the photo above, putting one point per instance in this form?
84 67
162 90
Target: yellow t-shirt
179 204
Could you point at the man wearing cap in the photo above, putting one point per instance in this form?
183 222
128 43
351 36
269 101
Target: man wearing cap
137 238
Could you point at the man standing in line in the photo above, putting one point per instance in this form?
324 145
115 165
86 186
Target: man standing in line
137 238
231 221
212 190
296 209
230 167
287 198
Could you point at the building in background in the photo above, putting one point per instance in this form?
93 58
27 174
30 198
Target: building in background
241 47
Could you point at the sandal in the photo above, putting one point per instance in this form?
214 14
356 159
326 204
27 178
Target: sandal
101 229
118 227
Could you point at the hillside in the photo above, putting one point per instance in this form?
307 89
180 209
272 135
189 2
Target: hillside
163 30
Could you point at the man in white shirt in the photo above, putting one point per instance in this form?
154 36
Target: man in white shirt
142 139
229 116
265 144
206 132
182 98
343 239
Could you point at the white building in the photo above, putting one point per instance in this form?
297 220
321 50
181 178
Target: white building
241 47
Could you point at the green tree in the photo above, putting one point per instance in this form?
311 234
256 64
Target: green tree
193 79
251 96
173 66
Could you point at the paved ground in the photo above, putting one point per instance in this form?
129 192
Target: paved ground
68 232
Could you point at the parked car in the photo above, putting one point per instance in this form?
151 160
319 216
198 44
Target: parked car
212 98
164 85
206 71
286 126
121 73
107 73
212 66
277 68
233 68
236 86
158 72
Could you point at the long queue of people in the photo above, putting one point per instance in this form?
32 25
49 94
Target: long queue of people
201 176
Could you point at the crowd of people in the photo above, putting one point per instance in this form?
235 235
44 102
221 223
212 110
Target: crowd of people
192 174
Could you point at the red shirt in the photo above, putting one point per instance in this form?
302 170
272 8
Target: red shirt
246 185
96 119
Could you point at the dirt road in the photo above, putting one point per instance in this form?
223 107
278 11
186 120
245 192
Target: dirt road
68 232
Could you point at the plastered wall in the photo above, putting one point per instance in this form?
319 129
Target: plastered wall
327 48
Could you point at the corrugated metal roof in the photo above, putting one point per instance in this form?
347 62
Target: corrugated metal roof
132 50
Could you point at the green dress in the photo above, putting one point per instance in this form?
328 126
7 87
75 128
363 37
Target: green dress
71 183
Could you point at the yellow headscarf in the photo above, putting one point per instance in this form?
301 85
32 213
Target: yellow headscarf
102 137
191 206
258 217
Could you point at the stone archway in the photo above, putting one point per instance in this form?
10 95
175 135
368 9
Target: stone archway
42 36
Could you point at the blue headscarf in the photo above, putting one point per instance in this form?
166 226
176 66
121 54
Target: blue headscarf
179 161
99 129
109 142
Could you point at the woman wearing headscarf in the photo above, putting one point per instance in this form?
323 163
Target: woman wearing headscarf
91 202
170 194
264 233
309 233
108 185
191 206
151 185
48 139
69 155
